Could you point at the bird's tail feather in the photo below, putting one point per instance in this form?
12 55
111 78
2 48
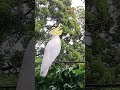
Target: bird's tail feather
43 72
44 69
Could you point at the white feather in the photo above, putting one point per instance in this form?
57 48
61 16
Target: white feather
52 50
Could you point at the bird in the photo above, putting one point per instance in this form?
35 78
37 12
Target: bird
51 51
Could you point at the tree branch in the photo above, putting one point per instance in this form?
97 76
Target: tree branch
68 62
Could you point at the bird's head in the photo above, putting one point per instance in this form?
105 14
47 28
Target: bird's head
56 31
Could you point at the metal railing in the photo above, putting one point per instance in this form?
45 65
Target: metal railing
95 86
101 86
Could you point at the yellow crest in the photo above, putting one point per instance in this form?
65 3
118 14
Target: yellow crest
57 31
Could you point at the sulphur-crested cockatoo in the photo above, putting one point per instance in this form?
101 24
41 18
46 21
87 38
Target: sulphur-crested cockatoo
52 50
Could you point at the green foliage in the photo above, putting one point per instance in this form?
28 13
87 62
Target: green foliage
59 78
102 56
61 13
7 81
16 30
6 6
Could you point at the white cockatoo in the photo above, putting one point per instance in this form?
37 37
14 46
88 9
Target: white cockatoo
52 50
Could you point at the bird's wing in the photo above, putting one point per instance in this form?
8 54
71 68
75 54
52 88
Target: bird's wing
52 50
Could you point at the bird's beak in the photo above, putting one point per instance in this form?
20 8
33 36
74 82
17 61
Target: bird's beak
50 33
